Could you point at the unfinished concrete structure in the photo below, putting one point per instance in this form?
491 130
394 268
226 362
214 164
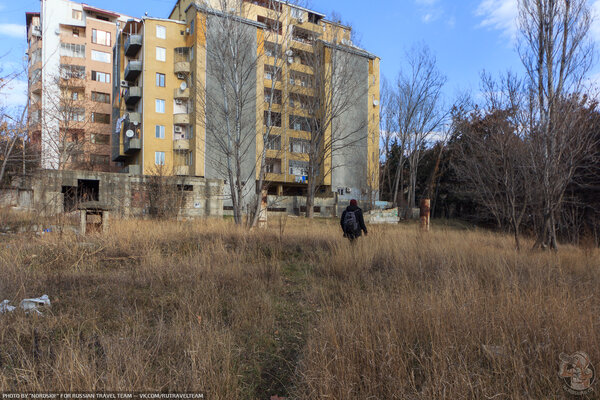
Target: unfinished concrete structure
51 192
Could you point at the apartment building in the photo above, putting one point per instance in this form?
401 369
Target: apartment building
162 66
70 83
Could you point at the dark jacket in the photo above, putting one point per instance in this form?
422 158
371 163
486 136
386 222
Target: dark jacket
359 216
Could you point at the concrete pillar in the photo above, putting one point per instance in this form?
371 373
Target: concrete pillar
82 221
105 216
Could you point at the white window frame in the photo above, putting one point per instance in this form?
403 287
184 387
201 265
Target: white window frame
161 32
161 54
159 105
159 157
159 131
100 56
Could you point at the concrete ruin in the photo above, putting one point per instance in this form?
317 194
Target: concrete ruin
51 192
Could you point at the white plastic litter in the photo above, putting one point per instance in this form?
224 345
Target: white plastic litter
28 305
4 307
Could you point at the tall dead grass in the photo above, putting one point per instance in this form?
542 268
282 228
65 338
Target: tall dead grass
205 306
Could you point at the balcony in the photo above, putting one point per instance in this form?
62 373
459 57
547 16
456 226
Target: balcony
181 119
132 169
133 45
132 145
181 94
133 70
180 170
72 83
133 95
135 117
182 67
181 144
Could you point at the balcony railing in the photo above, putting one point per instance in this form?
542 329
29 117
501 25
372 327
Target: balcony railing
133 45
133 70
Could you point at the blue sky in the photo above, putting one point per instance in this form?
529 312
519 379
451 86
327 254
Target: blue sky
467 36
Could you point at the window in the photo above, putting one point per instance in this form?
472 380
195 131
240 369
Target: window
74 95
274 142
76 14
74 114
101 97
100 77
299 146
75 32
36 56
72 50
192 27
72 71
272 73
100 37
161 54
273 165
36 76
100 56
160 106
182 54
275 95
272 49
299 168
160 131
100 118
299 123
189 160
296 13
160 80
98 138
161 32
97 159
275 119
159 157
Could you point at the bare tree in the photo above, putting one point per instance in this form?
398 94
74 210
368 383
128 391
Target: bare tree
557 53
12 131
328 97
420 112
491 153
389 130
237 136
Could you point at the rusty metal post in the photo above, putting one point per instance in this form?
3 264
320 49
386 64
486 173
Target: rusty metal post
262 219
424 214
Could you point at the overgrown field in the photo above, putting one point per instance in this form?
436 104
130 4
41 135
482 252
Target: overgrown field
295 311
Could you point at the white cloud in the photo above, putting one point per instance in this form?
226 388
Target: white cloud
14 94
13 30
595 28
430 10
500 15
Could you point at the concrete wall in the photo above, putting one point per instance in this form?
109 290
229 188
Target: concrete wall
125 195
221 118
350 131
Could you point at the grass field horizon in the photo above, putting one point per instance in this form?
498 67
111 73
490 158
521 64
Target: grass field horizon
294 310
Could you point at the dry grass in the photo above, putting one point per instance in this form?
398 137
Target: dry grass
207 307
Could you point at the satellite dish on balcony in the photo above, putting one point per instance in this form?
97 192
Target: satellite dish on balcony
129 133
183 86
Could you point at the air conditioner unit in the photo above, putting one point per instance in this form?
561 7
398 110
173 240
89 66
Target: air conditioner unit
124 84
36 31
180 75
348 190
187 30
300 20
290 60
178 129
178 102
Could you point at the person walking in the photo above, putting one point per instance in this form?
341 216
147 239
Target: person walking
352 221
